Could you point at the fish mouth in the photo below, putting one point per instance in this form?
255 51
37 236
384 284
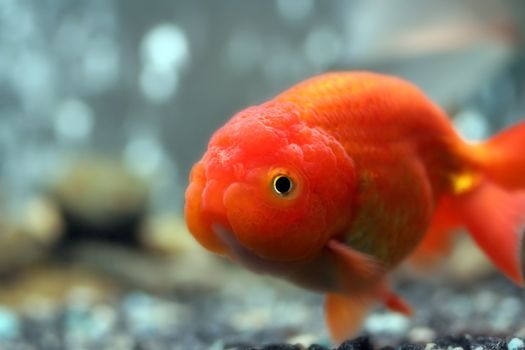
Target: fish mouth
246 257
310 274
522 254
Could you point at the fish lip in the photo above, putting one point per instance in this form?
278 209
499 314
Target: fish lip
226 236
522 255
247 257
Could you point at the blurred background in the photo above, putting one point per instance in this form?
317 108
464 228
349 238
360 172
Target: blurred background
106 104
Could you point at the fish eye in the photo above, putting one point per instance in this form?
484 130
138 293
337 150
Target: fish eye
283 185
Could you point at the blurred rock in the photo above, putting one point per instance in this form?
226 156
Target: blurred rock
28 240
51 285
152 271
421 334
101 200
465 264
167 234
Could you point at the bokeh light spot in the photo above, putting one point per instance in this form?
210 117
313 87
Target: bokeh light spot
472 125
323 47
156 85
295 10
101 64
143 155
165 47
73 120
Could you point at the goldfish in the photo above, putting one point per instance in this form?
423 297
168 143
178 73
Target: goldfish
333 183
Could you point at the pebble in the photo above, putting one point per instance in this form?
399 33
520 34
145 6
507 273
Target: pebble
388 322
421 334
9 324
303 339
254 319
516 344
454 342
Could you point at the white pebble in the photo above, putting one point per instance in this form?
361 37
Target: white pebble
303 339
516 344
391 323
430 346
421 334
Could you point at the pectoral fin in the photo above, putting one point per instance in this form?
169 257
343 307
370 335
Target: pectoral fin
357 269
361 275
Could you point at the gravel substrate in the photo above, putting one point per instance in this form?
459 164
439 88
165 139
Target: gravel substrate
252 312
466 342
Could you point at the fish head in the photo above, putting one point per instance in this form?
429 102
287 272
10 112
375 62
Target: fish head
279 187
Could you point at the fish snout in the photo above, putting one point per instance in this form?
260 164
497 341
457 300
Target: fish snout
200 212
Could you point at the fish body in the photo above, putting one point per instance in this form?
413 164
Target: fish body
336 181
394 134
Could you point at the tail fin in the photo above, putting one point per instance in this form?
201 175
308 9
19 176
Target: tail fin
503 157
495 217
493 210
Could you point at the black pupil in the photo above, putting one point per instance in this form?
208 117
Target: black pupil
283 185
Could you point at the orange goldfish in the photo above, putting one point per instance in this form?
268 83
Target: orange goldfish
335 182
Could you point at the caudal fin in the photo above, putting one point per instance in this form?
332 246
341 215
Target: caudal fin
493 210
495 217
502 157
